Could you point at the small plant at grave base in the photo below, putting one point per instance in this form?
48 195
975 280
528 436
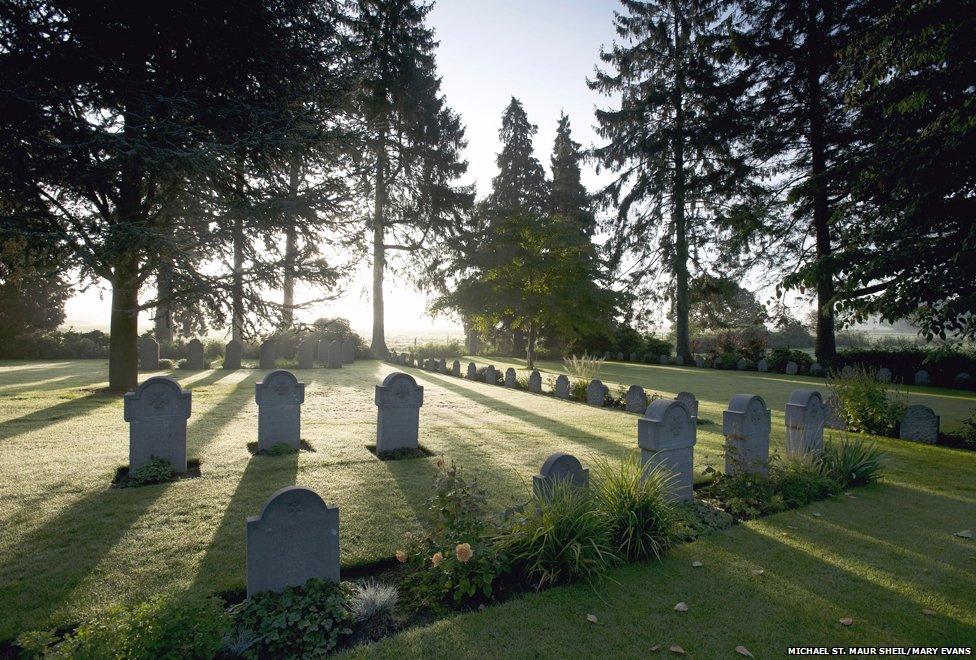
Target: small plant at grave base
280 449
455 561
298 622
187 627
165 364
851 461
372 605
577 390
560 539
866 404
156 471
585 367
635 499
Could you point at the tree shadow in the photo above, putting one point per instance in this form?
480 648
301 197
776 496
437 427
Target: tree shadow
40 419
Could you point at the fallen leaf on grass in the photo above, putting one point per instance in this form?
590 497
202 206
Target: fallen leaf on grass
791 526
591 618
677 649
759 571
656 647
741 650
846 621
964 534
681 607
696 564
928 612
817 514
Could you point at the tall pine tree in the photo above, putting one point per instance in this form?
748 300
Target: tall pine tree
520 184
568 196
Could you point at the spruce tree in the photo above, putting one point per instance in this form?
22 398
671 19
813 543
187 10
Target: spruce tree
568 196
520 184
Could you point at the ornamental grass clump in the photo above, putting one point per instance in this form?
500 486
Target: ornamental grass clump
851 462
585 367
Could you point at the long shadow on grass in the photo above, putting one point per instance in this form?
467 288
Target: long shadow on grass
40 419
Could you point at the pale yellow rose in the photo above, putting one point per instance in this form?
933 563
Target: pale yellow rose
463 552
401 556
437 558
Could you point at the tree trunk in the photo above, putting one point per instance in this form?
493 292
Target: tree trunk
163 321
291 247
123 359
237 288
530 347
682 347
826 343
378 343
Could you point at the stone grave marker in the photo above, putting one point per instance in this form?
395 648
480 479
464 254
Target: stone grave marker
742 364
306 354
157 412
962 381
559 468
664 359
472 371
636 399
233 354
691 404
535 381
335 355
922 377
348 351
443 368
762 366
596 393
398 401
832 416
620 356
817 370
194 355
666 435
699 361
633 357
606 355
791 368
279 397
883 375
491 376
805 416
268 356
294 540
679 360
921 424
148 354
510 377
456 368
746 426
561 387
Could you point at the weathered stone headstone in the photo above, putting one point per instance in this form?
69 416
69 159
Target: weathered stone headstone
762 366
472 371
559 468
398 401
306 354
791 368
268 357
664 359
233 354
746 426
921 424
294 540
679 360
491 376
805 416
157 412
443 368
561 388
847 371
596 393
717 363
690 402
279 397
666 435
636 399
535 381
510 377
194 355
456 368
817 370
148 354
334 360
699 361
883 375
922 377
832 416
742 364
606 356
633 357
348 351
620 356
963 381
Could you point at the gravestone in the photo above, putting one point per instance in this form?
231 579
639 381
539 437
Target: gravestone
742 364
679 360
561 388
817 370
922 378
294 540
472 371
148 354
157 412
322 351
963 381
921 424
306 354
636 399
596 393
699 361
690 402
559 468
279 397
398 401
762 366
847 371
633 357
746 426
456 368
666 435
334 360
491 376
832 416
717 363
510 377
805 415
268 356
233 354
883 375
348 351
535 381
664 359
194 355
791 368
606 356
620 356
443 367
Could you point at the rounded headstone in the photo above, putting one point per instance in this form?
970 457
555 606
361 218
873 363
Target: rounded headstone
472 371
762 366
268 355
596 393
510 377
636 399
921 424
963 381
194 355
883 375
922 378
791 368
535 381
561 387
233 353
817 370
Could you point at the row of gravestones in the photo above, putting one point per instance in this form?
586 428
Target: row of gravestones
296 536
333 354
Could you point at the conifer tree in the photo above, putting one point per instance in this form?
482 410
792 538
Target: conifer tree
520 184
568 196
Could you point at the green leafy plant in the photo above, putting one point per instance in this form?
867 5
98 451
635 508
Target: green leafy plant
851 461
156 471
280 449
577 390
298 622
560 539
866 404
635 499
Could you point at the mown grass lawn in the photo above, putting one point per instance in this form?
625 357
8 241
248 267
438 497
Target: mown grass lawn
70 545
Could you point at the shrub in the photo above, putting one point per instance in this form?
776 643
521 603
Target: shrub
156 471
779 357
585 367
165 364
298 622
188 627
851 462
561 539
864 402
577 390
787 485
657 346
942 362
635 500
452 349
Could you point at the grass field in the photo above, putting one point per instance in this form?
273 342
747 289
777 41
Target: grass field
70 545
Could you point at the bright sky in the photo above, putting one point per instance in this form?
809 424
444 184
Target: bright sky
540 51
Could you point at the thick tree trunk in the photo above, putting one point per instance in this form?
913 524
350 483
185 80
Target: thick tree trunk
237 287
123 359
291 247
682 345
530 347
826 343
163 321
378 343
